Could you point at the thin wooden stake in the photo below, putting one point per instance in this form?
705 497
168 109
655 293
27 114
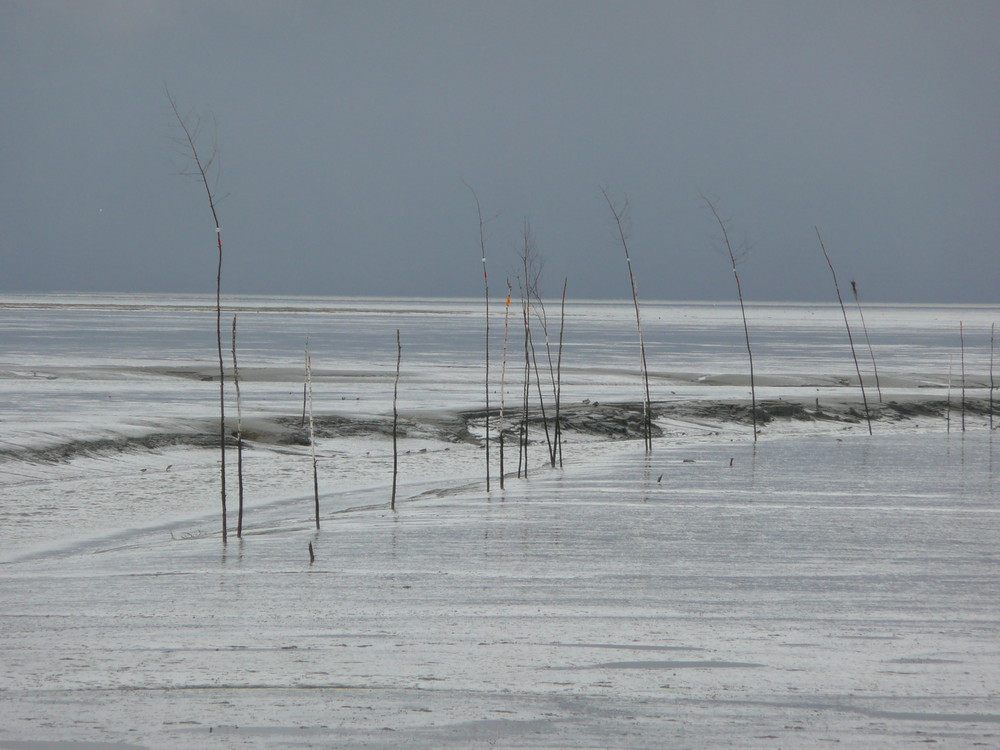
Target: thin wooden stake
541 402
992 340
522 461
200 173
551 439
961 340
239 435
312 434
864 326
395 421
647 418
486 288
947 418
850 338
503 374
562 327
743 310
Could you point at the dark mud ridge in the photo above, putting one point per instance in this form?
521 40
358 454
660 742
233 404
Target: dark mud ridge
610 421
817 411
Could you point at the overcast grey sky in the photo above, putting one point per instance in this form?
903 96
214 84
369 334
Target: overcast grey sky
345 130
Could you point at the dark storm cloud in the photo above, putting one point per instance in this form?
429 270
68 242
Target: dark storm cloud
346 129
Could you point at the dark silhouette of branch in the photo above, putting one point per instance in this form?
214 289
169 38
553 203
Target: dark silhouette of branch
395 422
503 375
712 206
486 288
864 327
200 172
239 437
620 215
850 338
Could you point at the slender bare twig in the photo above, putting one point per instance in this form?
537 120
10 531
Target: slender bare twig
562 327
620 216
541 402
552 439
961 340
395 422
312 435
864 326
503 374
992 387
554 368
947 419
739 293
239 436
522 460
532 271
486 288
201 174
850 338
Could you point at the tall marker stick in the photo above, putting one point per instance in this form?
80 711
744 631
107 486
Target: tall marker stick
850 338
647 423
395 422
486 288
864 327
739 293
239 436
200 173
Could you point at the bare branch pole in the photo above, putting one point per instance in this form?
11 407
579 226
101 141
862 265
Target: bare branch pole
739 293
239 436
201 173
850 338
620 215
532 271
543 320
486 288
312 434
503 374
562 327
864 326
522 458
541 402
992 387
395 421
947 421
961 341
